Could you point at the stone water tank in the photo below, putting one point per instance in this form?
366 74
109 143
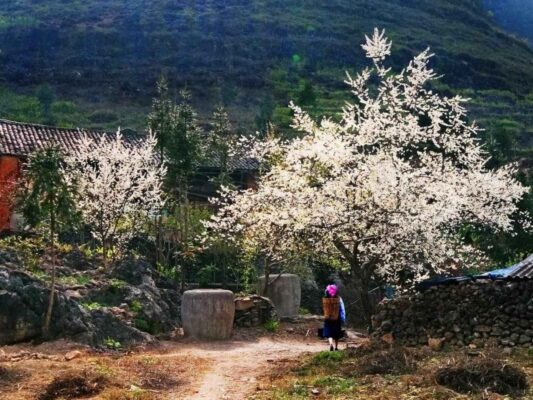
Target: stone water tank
208 313
285 292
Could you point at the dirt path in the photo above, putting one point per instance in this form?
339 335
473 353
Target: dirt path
173 370
234 367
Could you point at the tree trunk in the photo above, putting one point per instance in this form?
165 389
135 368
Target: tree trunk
267 278
359 278
48 317
363 285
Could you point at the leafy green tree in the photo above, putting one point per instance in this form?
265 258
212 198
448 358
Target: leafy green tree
306 95
180 146
47 202
222 146
178 137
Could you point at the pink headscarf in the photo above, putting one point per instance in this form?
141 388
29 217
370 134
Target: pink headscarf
332 290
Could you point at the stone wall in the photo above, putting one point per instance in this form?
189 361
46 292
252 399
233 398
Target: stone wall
468 313
253 310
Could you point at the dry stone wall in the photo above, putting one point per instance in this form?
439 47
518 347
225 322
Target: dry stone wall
475 313
253 310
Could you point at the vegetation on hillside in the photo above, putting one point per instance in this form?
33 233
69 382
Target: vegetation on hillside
253 57
513 15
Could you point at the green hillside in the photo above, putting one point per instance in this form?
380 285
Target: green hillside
102 58
514 15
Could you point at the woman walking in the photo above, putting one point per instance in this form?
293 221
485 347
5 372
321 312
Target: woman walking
334 316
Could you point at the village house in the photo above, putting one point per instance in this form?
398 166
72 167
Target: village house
18 140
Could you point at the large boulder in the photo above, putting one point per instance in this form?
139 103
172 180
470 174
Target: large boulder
23 304
153 301
285 292
208 313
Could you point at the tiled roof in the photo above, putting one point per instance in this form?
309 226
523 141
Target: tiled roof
523 270
21 139
240 164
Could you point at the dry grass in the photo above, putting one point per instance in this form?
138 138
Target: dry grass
146 376
377 371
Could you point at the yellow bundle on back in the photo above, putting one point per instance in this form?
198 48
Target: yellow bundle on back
331 308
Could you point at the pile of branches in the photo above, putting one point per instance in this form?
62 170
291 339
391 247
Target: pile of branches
482 374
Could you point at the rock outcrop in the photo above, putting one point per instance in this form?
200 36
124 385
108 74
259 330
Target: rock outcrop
23 303
125 306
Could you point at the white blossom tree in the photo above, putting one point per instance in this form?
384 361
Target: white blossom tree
119 184
386 189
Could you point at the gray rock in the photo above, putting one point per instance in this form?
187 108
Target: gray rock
523 339
23 304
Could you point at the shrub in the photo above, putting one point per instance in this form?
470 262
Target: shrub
112 344
271 325
136 306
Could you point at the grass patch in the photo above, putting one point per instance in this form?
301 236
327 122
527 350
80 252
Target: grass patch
74 280
376 371
336 384
327 358
271 325
92 306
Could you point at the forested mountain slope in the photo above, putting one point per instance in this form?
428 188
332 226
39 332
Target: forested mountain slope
254 56
514 15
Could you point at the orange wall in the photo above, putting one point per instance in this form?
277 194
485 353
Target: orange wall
9 173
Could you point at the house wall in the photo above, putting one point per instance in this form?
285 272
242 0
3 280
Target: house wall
9 173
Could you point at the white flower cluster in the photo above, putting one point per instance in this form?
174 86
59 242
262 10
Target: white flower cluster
386 188
118 185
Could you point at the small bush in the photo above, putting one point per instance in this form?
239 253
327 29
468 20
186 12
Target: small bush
271 325
136 306
327 357
474 376
112 344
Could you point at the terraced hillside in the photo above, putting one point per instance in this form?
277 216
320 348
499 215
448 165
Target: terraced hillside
98 59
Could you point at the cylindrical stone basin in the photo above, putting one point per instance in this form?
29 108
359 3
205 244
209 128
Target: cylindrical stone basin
208 313
285 292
